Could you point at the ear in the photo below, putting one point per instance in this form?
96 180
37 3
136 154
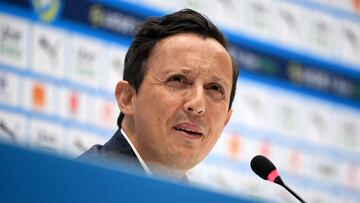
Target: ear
124 94
228 116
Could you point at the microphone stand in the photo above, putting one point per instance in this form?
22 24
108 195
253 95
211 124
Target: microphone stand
279 181
293 193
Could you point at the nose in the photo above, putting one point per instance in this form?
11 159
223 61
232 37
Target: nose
195 101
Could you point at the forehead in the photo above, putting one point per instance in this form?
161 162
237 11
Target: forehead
192 52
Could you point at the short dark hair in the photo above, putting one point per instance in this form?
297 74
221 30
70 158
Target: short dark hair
154 29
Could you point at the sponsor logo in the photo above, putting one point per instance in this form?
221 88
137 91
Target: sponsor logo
46 140
351 174
46 10
295 160
356 5
10 42
8 89
13 41
289 19
96 15
85 62
38 96
3 83
78 143
318 79
46 136
6 131
73 103
234 146
351 37
51 50
106 113
265 148
112 20
117 65
11 128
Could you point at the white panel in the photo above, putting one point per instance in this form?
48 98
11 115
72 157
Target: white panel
9 89
259 18
290 26
13 41
86 56
347 134
106 113
115 64
47 136
322 34
49 50
251 106
39 96
16 125
319 126
79 141
350 42
74 105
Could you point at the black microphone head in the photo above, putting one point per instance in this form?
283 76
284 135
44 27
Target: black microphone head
262 166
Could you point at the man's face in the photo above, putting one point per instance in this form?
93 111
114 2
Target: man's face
182 105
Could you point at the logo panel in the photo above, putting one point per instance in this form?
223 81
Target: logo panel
48 10
40 96
106 112
86 61
115 66
13 41
49 49
13 129
74 105
46 136
80 141
9 89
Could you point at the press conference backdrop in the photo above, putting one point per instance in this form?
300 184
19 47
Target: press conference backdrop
297 102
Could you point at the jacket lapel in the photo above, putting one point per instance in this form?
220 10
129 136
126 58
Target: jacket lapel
116 153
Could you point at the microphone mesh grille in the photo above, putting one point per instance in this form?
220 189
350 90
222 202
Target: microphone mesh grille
262 166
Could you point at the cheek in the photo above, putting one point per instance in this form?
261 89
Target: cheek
161 106
217 125
220 111
166 102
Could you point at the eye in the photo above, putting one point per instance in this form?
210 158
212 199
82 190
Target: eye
216 91
177 80
216 87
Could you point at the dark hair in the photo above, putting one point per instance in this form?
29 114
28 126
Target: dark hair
154 29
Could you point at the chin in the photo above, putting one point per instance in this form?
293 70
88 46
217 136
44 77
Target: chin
186 165
184 159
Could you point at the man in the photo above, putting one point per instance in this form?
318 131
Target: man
175 99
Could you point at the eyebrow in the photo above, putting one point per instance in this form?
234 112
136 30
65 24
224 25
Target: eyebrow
187 70
184 70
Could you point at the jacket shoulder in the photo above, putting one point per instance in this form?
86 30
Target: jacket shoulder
117 152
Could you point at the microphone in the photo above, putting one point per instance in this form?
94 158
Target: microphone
264 168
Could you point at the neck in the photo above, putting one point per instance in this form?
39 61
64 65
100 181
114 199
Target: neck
157 169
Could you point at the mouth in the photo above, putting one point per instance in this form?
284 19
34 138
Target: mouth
189 130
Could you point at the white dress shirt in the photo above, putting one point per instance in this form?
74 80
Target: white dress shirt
142 162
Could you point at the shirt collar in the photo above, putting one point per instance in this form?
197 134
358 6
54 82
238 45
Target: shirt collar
142 162
185 179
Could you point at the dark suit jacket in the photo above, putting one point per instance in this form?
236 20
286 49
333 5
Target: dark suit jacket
116 153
